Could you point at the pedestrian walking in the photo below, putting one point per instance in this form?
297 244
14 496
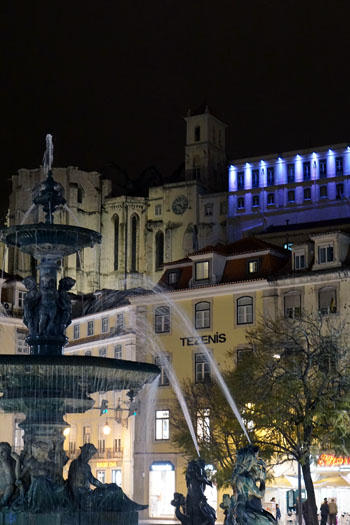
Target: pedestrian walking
333 511
324 512
278 513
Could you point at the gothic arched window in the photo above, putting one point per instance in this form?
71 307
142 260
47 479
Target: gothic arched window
159 250
116 242
134 241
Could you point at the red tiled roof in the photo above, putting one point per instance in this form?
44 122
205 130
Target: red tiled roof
246 245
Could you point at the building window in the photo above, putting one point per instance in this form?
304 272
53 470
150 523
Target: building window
255 200
202 368
323 192
327 300
117 477
88 352
292 305
339 166
245 310
299 260
117 445
240 203
21 345
80 194
101 446
101 475
197 133
159 361
162 424
307 194
253 266
102 352
240 180
270 199
162 319
86 434
90 328
20 298
116 242
118 353
270 176
291 196
208 209
158 210
290 173
339 191
161 489
173 277
71 448
202 270
325 253
159 250
76 331
203 425
323 168
307 170
255 178
119 323
134 240
223 208
105 324
202 314
241 352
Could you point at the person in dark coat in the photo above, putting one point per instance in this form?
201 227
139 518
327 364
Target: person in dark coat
324 512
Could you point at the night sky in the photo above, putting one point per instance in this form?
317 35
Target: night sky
112 80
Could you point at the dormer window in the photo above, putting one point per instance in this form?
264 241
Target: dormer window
325 253
173 277
202 270
299 260
253 266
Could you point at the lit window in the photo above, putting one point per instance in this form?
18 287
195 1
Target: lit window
290 173
117 476
202 315
159 361
203 424
173 277
162 424
323 192
327 299
158 209
76 331
339 166
240 180
340 191
255 178
86 434
90 328
197 133
120 323
202 270
292 305
202 368
307 194
270 176
291 196
118 354
102 352
253 266
162 319
20 298
307 170
245 310
299 261
271 199
323 168
325 254
240 203
105 325
208 209
101 475
255 200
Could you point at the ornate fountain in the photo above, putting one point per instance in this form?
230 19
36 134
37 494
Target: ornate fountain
46 385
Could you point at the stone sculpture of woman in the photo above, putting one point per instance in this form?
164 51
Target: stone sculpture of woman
31 302
64 310
106 497
7 474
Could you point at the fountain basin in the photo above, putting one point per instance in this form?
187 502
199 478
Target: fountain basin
57 240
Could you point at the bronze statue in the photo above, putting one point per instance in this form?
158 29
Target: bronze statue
31 302
7 474
64 304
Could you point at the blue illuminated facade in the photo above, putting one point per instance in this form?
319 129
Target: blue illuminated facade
290 188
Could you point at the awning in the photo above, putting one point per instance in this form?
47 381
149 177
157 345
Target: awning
279 482
335 480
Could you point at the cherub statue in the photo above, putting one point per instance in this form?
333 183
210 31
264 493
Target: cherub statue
248 481
47 306
7 474
31 301
106 497
64 312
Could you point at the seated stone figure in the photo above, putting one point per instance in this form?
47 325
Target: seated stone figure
106 497
7 474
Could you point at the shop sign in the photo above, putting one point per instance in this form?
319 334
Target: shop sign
204 339
106 464
330 460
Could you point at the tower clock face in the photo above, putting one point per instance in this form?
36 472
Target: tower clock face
180 204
